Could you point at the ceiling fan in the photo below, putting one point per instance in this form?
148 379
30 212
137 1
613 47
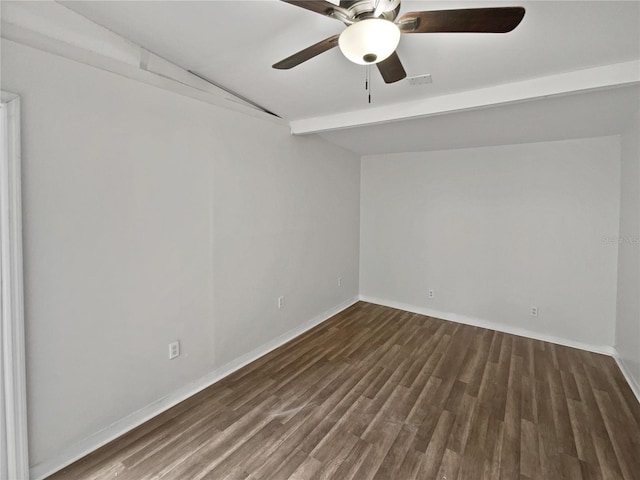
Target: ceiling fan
374 28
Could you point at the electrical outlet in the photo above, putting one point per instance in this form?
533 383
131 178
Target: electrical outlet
339 281
534 311
280 302
174 350
431 293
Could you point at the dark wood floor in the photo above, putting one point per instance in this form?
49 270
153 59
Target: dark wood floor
378 393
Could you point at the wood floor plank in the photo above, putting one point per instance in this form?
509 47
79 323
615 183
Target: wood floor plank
449 466
343 447
395 456
493 450
462 423
378 393
529 450
436 448
410 464
473 458
581 432
351 464
624 437
510 465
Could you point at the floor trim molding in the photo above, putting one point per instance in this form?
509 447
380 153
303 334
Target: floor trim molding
476 322
633 383
113 431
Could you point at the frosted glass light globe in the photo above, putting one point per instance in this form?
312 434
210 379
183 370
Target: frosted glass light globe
369 41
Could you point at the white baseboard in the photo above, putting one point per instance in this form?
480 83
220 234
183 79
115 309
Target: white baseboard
476 322
631 380
113 431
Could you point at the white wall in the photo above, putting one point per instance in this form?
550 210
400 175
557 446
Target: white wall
496 230
286 224
150 217
628 316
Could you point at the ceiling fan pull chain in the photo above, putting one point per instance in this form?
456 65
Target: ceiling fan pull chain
369 80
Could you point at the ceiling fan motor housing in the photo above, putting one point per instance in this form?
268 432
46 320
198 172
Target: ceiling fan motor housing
361 9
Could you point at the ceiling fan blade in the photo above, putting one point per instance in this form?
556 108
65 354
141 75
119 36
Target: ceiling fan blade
472 20
308 53
319 6
391 69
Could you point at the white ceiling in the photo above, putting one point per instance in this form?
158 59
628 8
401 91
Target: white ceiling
234 43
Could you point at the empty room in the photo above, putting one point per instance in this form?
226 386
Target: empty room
322 239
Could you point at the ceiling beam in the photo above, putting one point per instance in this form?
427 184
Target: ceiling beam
590 79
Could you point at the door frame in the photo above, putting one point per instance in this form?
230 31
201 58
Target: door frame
13 401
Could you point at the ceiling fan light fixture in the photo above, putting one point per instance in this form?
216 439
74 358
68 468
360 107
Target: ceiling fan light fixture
369 41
